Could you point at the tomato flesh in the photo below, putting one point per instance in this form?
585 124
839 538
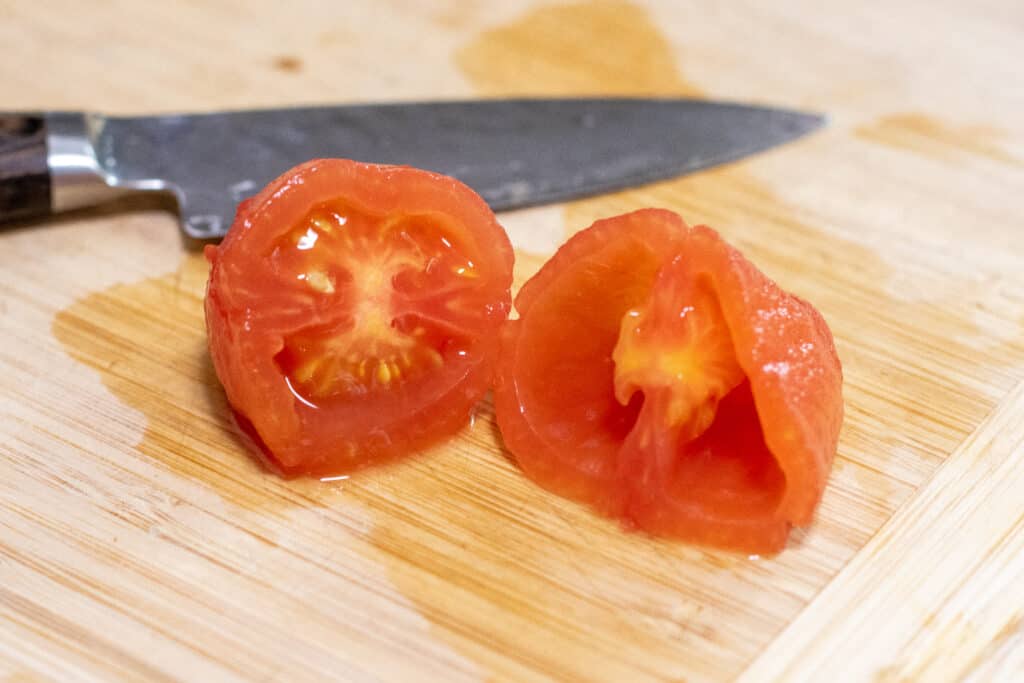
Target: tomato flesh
670 413
353 312
557 358
385 277
676 348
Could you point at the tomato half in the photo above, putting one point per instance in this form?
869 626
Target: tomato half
657 375
353 312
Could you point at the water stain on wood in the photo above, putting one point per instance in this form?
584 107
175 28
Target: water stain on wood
930 136
288 63
604 47
520 582
147 340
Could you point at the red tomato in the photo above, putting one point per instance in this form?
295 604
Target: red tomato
353 312
657 375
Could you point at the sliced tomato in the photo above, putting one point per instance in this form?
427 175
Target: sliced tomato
657 375
353 312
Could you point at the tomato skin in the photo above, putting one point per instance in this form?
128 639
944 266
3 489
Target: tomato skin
741 483
787 350
255 309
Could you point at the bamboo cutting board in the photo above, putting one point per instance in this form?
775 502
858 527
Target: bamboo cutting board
139 542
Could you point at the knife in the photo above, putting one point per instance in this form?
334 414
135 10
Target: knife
515 152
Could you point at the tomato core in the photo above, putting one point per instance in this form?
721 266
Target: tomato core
384 334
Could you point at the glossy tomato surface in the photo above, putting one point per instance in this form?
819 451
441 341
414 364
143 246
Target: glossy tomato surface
353 312
655 374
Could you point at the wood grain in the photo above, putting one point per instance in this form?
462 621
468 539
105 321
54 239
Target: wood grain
24 177
945 571
139 542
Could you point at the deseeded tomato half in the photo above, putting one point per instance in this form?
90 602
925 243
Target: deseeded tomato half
655 374
353 312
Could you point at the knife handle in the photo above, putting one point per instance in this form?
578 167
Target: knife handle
24 174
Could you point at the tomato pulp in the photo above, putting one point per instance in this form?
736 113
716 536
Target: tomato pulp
658 376
353 312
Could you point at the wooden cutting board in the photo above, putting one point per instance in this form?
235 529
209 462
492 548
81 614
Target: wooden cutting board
138 541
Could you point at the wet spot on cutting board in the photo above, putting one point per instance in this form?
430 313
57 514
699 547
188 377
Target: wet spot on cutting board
147 340
288 64
605 47
930 136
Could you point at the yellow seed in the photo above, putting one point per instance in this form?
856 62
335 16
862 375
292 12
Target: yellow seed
463 271
327 373
396 371
320 281
361 370
383 372
435 358
322 224
305 372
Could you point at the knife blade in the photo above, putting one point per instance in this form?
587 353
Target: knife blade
513 152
